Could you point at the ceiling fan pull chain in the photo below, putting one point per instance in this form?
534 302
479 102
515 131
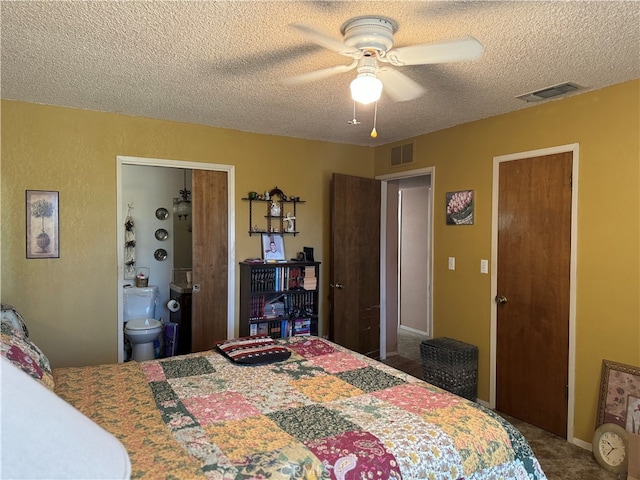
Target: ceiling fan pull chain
374 133
354 121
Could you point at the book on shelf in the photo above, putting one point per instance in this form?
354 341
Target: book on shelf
310 281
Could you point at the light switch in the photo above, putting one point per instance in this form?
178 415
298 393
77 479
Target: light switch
452 263
484 266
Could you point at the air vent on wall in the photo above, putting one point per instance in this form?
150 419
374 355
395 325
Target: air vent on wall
402 154
550 92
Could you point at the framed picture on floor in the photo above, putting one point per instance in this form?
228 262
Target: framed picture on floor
619 399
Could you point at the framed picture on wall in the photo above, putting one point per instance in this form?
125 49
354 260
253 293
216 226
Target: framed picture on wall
619 399
43 240
272 247
460 207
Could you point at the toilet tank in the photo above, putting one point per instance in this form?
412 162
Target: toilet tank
140 302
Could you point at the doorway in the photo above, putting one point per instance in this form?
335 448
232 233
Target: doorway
228 271
406 262
533 284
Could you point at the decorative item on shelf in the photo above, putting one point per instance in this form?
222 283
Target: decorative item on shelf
272 247
275 209
291 226
182 204
142 277
252 195
278 192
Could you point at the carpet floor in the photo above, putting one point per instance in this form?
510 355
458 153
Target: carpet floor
560 460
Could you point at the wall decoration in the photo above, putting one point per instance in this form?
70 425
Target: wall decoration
619 399
460 207
43 240
272 246
129 245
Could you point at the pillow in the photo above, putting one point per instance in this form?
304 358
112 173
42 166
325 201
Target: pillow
12 317
24 354
253 350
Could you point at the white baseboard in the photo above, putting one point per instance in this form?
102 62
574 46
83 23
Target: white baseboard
413 330
483 403
582 444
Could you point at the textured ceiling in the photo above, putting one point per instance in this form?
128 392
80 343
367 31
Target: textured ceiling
222 63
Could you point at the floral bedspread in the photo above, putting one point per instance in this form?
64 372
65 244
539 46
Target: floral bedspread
326 412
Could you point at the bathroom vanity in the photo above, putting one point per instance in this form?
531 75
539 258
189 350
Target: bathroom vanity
181 293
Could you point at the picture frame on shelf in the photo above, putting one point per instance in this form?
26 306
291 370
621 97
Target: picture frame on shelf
42 224
619 398
460 207
273 247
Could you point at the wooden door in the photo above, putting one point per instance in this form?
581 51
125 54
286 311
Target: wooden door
355 264
533 275
210 246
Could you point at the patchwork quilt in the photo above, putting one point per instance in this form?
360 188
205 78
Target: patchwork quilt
323 413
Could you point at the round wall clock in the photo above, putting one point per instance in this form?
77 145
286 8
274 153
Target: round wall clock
610 447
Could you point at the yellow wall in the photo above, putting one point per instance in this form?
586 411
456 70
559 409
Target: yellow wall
606 125
71 303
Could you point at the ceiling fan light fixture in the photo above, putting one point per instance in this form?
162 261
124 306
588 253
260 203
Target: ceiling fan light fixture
366 88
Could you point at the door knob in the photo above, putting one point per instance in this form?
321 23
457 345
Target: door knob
337 285
501 299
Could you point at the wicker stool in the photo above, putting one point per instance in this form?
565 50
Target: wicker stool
451 365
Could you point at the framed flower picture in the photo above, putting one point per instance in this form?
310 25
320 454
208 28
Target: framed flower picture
43 239
619 399
460 207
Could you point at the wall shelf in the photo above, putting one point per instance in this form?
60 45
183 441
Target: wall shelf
272 223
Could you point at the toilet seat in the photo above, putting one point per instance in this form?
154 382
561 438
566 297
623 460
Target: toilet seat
138 324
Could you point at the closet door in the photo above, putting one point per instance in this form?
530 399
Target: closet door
210 247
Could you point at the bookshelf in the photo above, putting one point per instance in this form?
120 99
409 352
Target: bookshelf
279 299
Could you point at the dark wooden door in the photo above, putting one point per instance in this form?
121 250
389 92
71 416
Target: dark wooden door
534 247
355 264
210 246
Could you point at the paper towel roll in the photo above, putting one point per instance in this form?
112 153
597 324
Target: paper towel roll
173 306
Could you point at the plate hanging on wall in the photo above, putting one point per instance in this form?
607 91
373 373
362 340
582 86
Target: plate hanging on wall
162 234
160 254
162 213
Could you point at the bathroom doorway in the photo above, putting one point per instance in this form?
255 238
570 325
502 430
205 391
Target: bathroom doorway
153 176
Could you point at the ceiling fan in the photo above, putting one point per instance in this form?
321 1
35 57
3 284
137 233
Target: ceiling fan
369 41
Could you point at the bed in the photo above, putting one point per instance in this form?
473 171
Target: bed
323 412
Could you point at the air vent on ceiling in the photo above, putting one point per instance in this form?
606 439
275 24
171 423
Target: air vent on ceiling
550 92
402 154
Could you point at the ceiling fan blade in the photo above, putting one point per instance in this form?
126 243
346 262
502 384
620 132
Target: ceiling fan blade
326 41
398 86
319 74
461 49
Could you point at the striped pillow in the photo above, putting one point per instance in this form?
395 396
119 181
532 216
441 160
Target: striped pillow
253 350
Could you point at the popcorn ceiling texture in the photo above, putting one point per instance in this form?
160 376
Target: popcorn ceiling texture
221 63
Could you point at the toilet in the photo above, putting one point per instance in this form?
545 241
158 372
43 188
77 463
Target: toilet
139 325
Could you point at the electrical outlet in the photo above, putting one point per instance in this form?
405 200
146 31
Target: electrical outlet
484 266
452 263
